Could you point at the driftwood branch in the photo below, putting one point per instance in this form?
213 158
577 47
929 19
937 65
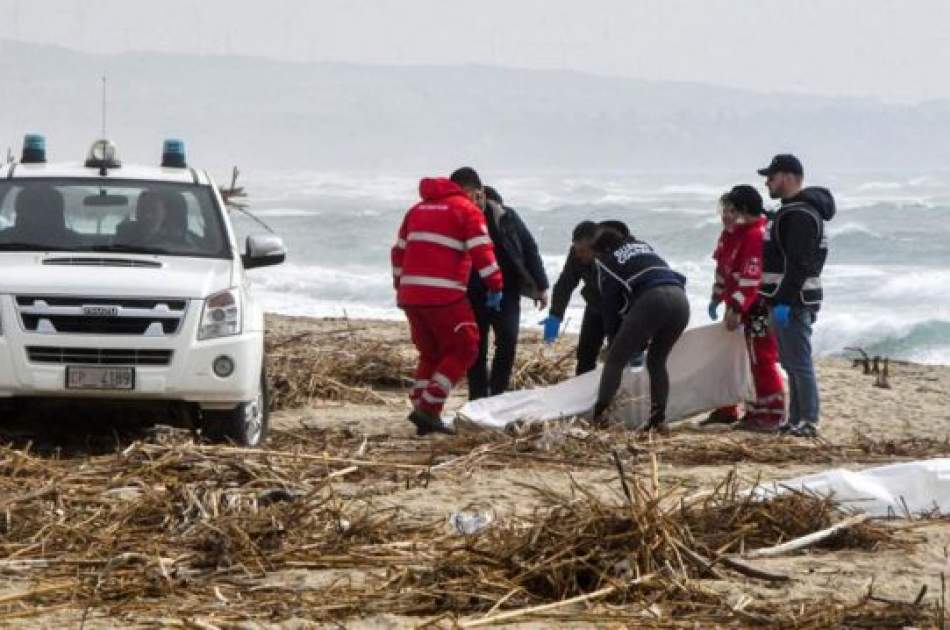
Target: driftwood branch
754 572
521 612
809 540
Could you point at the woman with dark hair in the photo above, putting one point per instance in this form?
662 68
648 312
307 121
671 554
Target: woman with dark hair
738 258
644 308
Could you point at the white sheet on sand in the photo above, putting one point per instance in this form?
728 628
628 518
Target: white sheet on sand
893 490
709 368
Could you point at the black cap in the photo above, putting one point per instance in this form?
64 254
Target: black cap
745 199
783 163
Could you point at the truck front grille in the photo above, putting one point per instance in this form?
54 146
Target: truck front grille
101 316
98 356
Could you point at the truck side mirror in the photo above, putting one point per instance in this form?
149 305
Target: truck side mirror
264 250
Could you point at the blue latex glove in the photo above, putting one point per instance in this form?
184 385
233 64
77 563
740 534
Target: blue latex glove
552 328
713 310
781 313
493 300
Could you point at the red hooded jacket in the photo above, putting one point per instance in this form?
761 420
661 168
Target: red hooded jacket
738 258
440 239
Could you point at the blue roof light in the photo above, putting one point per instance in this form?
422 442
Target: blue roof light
34 149
173 154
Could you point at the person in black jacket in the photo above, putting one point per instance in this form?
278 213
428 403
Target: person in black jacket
645 308
579 266
523 273
794 256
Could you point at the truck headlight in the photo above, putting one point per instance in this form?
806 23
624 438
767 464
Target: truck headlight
221 316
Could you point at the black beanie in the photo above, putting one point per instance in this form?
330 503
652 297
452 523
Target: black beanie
745 199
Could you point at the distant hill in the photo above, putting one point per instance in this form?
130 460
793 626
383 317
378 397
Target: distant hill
271 115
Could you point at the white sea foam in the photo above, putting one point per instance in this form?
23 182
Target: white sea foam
287 212
849 228
897 307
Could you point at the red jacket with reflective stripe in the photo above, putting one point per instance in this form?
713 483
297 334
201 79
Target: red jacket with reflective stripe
738 258
441 238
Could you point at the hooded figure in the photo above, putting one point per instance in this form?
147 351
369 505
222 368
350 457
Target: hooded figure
796 249
794 255
441 240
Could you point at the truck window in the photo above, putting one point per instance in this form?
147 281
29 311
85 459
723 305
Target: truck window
111 215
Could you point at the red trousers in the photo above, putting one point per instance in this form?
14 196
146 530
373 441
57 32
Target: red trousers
768 408
447 340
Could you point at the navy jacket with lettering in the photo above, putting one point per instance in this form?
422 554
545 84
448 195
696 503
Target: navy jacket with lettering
625 274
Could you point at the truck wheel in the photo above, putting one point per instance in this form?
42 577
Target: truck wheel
245 425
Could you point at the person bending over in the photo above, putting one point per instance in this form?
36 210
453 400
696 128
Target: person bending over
644 308
579 267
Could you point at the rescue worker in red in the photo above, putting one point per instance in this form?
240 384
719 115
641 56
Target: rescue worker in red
442 238
738 258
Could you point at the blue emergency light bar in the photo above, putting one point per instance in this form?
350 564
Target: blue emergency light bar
173 154
34 149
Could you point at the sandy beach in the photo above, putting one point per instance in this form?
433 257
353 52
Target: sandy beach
862 425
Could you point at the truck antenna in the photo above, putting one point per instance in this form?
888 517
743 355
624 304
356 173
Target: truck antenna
104 107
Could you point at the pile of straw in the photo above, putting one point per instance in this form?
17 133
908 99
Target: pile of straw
541 366
166 528
351 364
341 365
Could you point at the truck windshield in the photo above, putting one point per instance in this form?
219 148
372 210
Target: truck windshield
111 216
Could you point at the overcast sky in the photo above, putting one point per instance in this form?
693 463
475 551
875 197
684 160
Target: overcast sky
892 49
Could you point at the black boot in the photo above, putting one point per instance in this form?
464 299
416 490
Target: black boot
427 423
658 421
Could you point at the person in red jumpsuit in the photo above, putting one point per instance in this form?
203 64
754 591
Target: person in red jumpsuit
440 240
738 258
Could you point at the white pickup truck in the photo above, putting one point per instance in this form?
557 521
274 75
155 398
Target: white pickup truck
126 283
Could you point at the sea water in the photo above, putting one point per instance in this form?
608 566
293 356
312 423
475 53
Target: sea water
887 282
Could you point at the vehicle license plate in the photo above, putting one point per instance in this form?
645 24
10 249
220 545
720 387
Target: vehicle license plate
100 377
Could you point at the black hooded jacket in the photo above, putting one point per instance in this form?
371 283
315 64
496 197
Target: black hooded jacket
796 249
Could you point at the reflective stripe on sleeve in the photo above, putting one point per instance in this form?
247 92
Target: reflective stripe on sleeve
431 281
748 282
438 239
484 272
472 243
401 244
739 298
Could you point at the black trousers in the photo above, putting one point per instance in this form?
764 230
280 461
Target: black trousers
590 341
653 323
505 326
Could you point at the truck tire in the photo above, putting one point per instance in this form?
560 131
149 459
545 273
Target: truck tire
245 425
